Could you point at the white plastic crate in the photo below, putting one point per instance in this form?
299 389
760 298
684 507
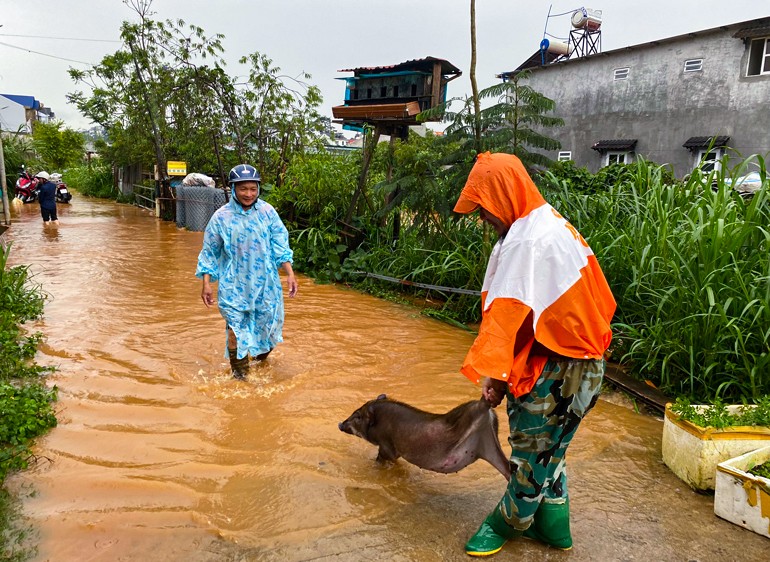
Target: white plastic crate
741 497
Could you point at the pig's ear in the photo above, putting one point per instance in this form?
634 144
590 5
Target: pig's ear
370 417
381 397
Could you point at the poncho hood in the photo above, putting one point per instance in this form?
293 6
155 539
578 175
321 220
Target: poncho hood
500 184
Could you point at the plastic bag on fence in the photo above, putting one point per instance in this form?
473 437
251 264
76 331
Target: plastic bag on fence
198 179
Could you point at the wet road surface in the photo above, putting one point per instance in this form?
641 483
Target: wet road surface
160 455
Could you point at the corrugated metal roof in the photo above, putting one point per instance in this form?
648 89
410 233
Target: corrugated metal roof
414 64
614 144
26 101
705 142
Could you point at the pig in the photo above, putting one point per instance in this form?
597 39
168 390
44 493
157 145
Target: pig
443 443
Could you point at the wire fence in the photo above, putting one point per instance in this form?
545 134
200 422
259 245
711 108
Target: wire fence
418 285
195 204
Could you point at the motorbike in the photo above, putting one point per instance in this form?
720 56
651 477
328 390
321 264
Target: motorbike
27 187
63 194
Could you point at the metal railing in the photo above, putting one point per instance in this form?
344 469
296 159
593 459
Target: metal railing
144 196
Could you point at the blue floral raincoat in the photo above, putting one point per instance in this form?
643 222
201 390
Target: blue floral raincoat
242 251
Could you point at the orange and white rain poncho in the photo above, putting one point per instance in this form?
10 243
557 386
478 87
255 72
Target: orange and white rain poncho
542 283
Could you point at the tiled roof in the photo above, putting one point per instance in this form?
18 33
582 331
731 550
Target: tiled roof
705 142
614 144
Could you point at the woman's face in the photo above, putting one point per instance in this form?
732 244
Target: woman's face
496 223
247 193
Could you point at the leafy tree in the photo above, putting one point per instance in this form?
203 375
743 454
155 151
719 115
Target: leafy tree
57 146
281 119
141 92
514 124
166 95
419 184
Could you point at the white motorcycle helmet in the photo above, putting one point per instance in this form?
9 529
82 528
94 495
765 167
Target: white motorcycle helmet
43 175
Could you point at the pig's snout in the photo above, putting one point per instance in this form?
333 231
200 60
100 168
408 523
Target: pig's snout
345 427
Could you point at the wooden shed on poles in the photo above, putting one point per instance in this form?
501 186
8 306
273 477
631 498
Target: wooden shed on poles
388 99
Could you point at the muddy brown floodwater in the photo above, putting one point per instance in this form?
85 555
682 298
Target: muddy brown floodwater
160 455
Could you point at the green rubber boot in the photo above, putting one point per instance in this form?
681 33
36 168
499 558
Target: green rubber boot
551 525
240 367
491 536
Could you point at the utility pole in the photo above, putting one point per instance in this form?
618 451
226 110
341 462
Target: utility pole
3 186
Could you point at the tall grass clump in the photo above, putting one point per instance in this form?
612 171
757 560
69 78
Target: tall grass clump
689 268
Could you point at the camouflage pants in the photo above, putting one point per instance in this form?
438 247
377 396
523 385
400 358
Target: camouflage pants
542 425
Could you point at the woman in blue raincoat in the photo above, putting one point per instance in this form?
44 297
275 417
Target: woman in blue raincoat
244 245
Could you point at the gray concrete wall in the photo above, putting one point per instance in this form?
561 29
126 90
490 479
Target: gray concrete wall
659 104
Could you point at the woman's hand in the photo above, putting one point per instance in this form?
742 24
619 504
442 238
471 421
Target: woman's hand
207 294
291 283
493 391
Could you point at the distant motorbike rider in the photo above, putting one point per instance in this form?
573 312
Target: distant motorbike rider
26 187
47 199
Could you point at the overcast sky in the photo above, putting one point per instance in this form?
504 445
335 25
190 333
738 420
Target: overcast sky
324 36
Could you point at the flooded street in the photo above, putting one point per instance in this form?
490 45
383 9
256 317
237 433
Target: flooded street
161 455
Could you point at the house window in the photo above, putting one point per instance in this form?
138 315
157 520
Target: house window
564 155
621 73
693 65
709 160
617 158
759 57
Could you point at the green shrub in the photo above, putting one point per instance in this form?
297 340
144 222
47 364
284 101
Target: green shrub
27 412
92 181
26 404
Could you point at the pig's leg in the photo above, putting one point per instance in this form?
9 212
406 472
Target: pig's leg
387 453
490 450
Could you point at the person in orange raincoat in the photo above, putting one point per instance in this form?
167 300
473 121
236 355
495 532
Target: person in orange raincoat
546 313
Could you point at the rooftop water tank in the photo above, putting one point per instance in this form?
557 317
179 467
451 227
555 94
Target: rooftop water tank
555 47
586 18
